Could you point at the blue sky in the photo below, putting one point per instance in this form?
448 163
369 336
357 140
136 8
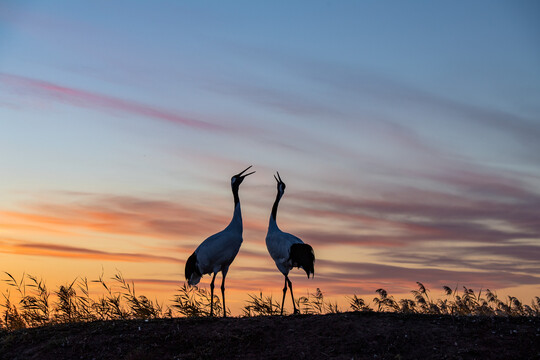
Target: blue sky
407 134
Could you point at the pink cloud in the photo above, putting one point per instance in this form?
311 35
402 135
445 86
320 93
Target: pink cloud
419 215
87 99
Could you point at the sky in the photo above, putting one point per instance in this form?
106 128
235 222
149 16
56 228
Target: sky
407 134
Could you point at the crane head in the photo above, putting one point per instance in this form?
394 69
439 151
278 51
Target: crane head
280 183
237 179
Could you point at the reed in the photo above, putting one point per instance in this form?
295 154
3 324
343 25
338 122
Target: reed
27 302
192 301
261 306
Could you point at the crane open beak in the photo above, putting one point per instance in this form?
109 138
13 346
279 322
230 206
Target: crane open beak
240 174
278 178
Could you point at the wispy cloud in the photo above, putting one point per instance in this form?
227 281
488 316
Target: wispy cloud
398 93
513 257
121 215
404 277
280 100
417 214
63 251
360 90
88 99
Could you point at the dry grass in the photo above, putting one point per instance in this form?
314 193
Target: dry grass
261 306
194 302
28 303
454 303
72 303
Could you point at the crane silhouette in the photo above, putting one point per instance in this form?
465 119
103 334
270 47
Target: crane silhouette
287 250
218 251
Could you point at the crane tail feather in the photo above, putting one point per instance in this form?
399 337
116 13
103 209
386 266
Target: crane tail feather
302 256
193 275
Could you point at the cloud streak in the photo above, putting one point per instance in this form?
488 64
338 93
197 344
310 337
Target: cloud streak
87 99
397 93
418 215
122 215
400 276
63 251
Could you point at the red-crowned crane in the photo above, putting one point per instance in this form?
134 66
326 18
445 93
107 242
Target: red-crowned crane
287 250
217 252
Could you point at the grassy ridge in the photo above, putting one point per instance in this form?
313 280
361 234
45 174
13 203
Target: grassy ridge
28 303
351 335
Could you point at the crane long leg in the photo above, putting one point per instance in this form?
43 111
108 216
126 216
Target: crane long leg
212 295
292 296
224 274
284 292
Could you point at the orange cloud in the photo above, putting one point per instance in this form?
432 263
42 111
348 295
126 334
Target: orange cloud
121 215
39 249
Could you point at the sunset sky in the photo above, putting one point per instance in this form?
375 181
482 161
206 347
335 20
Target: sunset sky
408 134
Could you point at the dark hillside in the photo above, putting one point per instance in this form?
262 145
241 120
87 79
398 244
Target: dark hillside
342 336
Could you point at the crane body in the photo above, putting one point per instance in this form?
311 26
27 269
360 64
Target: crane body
218 251
287 250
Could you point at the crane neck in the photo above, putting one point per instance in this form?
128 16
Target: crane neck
236 221
275 206
235 195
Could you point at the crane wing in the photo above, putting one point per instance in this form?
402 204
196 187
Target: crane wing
218 251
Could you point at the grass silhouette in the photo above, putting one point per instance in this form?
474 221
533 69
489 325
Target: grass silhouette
28 303
192 301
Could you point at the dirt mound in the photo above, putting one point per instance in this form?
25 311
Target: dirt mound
341 336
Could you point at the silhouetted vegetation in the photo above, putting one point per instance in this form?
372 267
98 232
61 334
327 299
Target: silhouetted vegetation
34 306
261 306
192 301
72 303
465 303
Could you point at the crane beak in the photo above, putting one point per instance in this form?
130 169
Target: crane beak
279 177
240 174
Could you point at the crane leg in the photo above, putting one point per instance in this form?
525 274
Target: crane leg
224 273
212 295
284 292
292 296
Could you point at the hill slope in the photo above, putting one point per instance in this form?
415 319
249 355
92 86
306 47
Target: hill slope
344 336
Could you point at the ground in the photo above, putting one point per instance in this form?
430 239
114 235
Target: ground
337 336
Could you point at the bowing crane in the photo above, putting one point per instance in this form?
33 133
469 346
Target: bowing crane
287 250
218 251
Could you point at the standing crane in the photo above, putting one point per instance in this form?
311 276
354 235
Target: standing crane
287 250
218 251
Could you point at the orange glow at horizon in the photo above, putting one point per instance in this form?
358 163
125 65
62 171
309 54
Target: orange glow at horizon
85 237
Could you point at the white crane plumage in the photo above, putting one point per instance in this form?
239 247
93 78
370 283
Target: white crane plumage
218 251
287 250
